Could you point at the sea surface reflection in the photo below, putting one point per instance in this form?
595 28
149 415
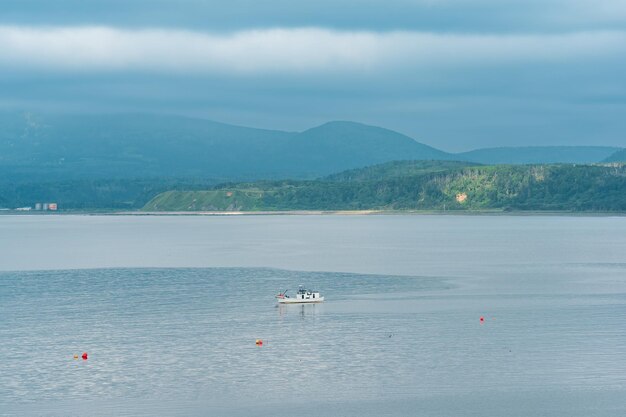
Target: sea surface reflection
181 341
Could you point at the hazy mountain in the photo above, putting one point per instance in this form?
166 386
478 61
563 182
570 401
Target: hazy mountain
99 146
137 146
619 156
338 145
539 155
120 146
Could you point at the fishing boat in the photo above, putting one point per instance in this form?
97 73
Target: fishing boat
303 296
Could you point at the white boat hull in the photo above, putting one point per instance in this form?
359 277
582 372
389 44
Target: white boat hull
300 301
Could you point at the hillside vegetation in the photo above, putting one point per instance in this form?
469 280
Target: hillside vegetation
121 161
421 186
94 194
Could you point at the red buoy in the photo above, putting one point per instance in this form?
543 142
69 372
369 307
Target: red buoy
482 319
84 356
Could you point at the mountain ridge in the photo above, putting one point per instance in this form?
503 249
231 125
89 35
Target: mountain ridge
538 154
618 156
137 145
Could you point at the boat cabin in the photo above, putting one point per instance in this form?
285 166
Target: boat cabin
304 294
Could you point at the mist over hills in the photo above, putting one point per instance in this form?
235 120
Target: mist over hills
539 154
136 146
122 160
139 146
619 156
61 146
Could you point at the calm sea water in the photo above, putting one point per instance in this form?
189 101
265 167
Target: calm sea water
169 309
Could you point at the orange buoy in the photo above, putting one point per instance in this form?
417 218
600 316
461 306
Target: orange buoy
259 342
75 356
85 356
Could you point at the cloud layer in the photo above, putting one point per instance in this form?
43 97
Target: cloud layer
493 16
285 50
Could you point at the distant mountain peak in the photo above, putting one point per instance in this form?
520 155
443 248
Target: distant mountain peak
343 123
361 133
116 145
349 126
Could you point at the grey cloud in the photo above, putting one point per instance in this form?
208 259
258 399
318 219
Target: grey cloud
422 15
280 50
455 109
492 73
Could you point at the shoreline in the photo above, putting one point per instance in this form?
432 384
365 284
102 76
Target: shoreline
515 213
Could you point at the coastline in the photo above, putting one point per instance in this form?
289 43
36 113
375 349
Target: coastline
324 213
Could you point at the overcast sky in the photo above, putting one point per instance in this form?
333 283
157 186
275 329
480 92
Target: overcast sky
455 74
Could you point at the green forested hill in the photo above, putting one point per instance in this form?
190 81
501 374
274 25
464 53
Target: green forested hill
90 194
396 169
107 161
424 186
